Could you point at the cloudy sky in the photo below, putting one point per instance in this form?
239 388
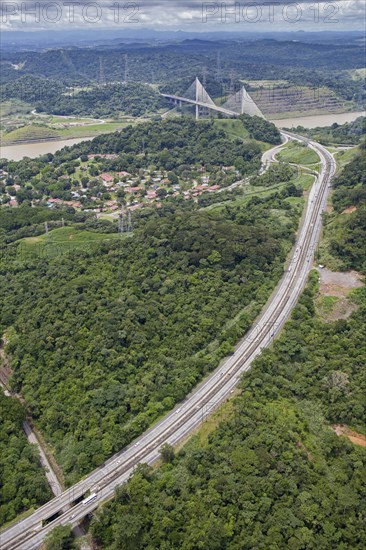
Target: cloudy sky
186 15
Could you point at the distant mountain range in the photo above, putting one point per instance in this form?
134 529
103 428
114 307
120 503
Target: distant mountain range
26 40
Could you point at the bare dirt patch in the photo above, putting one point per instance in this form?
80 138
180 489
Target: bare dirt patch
340 309
349 210
333 302
5 371
356 438
5 374
338 283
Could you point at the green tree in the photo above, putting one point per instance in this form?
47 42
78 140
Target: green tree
60 538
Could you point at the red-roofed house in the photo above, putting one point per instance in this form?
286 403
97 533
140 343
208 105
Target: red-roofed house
54 201
106 177
123 173
134 207
74 204
133 189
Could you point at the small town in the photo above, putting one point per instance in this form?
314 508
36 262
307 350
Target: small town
89 188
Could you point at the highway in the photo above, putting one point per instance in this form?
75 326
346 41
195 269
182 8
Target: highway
28 534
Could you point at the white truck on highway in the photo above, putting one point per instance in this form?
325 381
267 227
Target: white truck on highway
89 498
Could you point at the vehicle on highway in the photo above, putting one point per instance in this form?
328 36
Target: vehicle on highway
89 498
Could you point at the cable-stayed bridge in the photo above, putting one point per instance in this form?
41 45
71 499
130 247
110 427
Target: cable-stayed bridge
236 105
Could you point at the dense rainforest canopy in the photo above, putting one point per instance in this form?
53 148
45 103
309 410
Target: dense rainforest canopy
99 337
272 474
23 484
348 242
113 99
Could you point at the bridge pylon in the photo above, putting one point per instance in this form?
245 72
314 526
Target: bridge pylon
197 92
241 102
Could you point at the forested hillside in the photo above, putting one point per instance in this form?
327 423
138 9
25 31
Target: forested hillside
166 144
175 66
29 221
185 149
352 133
173 142
272 474
108 100
261 129
347 233
22 481
99 338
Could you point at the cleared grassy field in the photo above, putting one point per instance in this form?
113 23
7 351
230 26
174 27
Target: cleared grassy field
30 133
55 119
358 74
302 180
64 240
91 129
233 128
249 191
13 107
344 156
34 132
298 155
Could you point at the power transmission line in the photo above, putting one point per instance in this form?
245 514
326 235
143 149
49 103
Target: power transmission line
101 72
126 69
218 67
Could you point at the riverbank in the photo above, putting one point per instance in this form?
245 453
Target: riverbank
35 149
318 120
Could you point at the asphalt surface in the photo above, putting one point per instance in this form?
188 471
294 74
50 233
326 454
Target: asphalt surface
28 533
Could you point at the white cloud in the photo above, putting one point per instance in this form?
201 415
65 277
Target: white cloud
187 15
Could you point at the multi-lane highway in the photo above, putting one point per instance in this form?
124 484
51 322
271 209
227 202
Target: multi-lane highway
28 533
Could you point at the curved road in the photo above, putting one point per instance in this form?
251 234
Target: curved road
268 156
28 533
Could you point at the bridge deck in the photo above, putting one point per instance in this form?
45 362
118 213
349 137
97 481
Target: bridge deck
202 104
